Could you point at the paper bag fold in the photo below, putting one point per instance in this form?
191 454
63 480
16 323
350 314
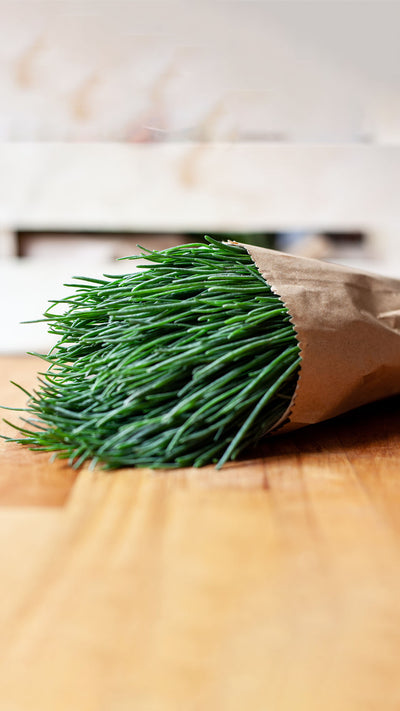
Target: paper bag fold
348 328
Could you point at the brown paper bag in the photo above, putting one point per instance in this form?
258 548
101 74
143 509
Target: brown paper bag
348 327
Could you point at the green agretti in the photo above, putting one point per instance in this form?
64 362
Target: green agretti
186 361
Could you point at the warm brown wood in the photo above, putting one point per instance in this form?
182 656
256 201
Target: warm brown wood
26 478
272 585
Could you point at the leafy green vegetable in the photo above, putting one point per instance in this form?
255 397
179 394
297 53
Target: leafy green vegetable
187 361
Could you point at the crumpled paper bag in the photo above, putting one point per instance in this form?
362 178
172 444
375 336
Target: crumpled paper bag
348 327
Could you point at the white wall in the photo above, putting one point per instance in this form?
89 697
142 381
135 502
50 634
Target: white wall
131 70
198 186
193 115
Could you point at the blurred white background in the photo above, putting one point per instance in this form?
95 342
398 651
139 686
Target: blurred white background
123 118
127 70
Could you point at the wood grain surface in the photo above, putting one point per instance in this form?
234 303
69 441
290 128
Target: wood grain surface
272 585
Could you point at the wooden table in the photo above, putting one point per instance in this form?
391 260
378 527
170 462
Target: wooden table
272 585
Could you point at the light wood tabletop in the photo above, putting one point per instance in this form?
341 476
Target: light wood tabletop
271 585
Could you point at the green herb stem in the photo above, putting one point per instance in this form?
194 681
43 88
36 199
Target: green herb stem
185 362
